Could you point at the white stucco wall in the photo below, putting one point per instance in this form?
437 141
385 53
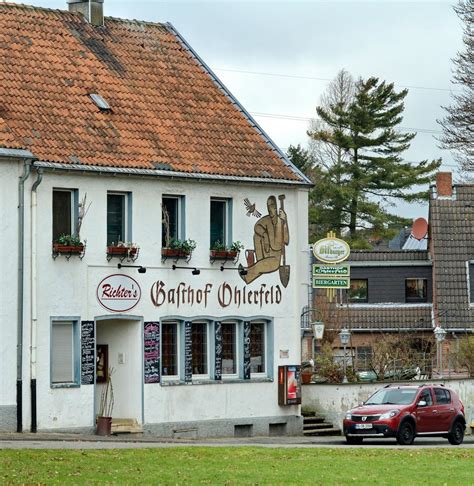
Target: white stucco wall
68 288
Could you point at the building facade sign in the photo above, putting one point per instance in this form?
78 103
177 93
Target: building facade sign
331 250
118 293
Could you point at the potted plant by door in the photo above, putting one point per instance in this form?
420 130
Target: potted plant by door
106 405
307 371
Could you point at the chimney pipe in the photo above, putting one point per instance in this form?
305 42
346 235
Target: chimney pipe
93 10
444 184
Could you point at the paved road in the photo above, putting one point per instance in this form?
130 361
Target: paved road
71 441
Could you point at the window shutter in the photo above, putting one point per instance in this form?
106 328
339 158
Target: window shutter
62 353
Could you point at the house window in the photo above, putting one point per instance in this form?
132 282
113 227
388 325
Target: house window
169 352
63 216
416 290
172 219
470 280
229 349
364 357
359 290
199 348
118 220
220 219
64 353
257 347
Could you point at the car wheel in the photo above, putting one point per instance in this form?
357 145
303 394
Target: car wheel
354 440
406 434
456 436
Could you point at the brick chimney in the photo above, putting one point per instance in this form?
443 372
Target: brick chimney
444 184
93 10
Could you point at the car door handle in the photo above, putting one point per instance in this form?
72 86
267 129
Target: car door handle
451 409
435 411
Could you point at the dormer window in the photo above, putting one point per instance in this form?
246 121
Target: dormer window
100 102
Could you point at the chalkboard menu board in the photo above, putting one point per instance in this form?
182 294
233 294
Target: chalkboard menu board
218 348
87 353
246 350
151 352
188 352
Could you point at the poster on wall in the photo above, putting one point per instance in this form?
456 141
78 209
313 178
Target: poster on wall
188 352
218 349
151 352
246 350
87 353
289 385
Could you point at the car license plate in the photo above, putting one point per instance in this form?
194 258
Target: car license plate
363 426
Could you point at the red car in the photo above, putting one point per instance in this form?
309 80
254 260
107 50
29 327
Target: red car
405 412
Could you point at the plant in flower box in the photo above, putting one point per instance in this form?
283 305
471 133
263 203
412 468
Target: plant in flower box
179 248
123 249
68 244
221 251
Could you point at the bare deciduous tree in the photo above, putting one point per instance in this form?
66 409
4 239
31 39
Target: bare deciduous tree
458 125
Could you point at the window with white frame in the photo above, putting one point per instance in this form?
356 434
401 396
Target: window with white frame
118 217
172 219
169 351
470 278
220 227
257 347
63 212
229 348
199 346
64 352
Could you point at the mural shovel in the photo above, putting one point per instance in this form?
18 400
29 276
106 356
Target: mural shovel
284 269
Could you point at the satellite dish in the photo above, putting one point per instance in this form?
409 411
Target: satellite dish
419 228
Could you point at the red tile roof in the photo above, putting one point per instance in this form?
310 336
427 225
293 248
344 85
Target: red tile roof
166 108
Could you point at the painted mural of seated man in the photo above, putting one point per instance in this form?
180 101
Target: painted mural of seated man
270 236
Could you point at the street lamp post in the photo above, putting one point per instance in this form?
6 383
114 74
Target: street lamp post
344 336
440 334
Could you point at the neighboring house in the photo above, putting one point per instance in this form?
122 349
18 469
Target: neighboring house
413 290
118 128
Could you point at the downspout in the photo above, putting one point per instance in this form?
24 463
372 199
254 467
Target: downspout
21 251
34 314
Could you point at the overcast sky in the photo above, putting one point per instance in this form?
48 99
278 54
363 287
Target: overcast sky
277 57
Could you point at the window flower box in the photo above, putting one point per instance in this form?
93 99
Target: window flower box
219 251
178 249
223 254
68 245
122 251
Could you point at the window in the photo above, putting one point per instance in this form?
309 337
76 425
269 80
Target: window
426 396
416 290
118 220
220 219
257 347
442 396
64 353
364 357
229 349
63 215
359 290
199 348
172 219
169 353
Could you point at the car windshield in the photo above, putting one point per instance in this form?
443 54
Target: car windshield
392 396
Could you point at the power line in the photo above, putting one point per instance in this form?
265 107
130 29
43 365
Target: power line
305 119
314 78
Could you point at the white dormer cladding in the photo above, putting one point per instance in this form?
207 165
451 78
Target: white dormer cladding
93 10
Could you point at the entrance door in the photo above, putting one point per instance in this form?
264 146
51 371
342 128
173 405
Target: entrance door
122 338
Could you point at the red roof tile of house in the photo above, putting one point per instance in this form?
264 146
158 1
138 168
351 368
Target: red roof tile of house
167 110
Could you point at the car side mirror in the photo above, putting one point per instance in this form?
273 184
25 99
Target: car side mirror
422 403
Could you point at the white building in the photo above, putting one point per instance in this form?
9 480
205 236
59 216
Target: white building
194 350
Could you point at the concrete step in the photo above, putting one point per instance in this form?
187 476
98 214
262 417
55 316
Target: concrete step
320 425
319 432
126 426
313 420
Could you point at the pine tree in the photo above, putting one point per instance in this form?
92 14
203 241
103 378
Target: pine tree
370 170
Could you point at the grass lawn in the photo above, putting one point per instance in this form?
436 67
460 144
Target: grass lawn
239 465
